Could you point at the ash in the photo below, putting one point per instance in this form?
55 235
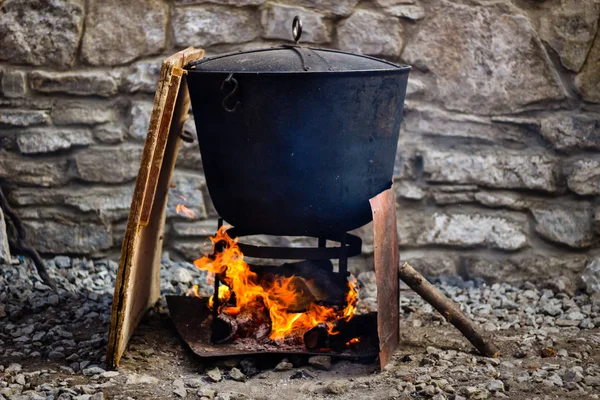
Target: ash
52 345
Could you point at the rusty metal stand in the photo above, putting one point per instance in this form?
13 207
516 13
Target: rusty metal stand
387 260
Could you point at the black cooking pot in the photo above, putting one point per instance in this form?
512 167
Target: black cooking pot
296 140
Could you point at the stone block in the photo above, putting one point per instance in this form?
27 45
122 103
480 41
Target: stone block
192 250
277 20
107 203
502 199
14 84
186 189
108 164
19 118
445 198
119 232
568 131
587 80
84 83
415 86
206 25
237 3
41 32
569 28
35 141
83 113
567 225
335 7
61 237
492 168
461 230
204 228
140 119
391 3
431 121
33 171
485 59
413 12
119 32
109 133
189 157
110 203
431 263
368 32
409 190
143 76
584 176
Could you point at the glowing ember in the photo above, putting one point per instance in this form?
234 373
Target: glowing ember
181 209
353 341
275 297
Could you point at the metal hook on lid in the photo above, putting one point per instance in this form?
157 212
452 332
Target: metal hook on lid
297 29
231 81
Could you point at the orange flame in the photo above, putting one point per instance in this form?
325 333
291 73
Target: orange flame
224 296
194 291
277 298
181 209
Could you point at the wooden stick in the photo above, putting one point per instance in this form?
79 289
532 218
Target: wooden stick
21 244
448 309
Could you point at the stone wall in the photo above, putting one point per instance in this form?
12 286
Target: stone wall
498 170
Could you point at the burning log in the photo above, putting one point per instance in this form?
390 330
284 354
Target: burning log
223 328
448 309
315 279
247 323
253 324
362 326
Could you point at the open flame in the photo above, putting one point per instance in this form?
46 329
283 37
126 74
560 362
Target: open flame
280 296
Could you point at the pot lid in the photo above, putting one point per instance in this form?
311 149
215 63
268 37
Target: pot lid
291 59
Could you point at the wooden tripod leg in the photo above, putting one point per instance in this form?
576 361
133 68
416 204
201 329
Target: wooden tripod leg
386 259
138 279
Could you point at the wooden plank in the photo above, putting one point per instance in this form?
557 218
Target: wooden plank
386 259
138 279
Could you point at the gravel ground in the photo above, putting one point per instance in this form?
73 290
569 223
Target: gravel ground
52 346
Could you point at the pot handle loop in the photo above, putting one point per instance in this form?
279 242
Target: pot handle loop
230 80
296 29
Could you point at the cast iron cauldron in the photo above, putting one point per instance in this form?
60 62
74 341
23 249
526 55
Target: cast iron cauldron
296 140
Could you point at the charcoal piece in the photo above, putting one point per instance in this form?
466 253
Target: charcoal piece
248 367
223 328
317 337
302 374
363 327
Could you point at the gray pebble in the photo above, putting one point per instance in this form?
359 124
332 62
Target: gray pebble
237 375
56 355
337 387
495 385
214 374
320 362
93 371
284 365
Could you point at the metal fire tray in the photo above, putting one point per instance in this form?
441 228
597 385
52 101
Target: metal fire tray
192 319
